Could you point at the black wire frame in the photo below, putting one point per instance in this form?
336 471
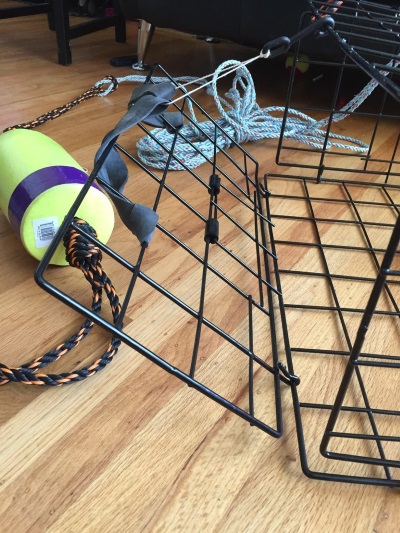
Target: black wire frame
346 384
356 436
366 38
369 34
240 239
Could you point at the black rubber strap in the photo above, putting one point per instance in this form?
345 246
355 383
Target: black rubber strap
148 104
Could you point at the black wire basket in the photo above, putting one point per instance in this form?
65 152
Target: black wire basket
341 217
221 304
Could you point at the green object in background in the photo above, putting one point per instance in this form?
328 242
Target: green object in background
39 181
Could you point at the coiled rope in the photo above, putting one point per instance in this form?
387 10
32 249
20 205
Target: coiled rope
243 121
81 253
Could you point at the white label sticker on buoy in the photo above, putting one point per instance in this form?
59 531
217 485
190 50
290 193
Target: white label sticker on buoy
44 230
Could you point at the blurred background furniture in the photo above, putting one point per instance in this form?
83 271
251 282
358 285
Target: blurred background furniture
59 21
246 22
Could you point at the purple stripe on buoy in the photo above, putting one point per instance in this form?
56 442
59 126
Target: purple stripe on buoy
36 183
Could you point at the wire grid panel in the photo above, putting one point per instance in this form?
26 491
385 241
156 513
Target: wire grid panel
328 266
368 32
365 44
199 299
383 437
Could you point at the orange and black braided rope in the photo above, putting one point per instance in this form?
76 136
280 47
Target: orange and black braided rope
83 254
55 113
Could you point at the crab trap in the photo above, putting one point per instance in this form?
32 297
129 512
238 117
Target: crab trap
244 270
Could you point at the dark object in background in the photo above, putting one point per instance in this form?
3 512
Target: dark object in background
91 8
246 22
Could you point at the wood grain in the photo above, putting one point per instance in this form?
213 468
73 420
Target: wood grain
133 448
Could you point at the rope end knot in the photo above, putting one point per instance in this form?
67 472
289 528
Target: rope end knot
82 253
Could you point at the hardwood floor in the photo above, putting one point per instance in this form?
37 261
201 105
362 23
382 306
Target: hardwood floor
133 448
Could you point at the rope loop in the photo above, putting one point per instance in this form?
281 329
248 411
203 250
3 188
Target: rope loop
243 114
80 252
83 254
112 85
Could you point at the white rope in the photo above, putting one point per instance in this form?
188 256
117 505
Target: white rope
243 121
225 70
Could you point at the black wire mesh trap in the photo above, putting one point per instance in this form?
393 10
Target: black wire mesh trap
368 33
337 239
328 268
359 83
210 283
202 288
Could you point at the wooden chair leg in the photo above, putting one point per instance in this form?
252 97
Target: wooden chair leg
60 16
120 24
50 16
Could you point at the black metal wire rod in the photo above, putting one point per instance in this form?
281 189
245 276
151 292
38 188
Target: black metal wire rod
259 306
359 341
206 322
